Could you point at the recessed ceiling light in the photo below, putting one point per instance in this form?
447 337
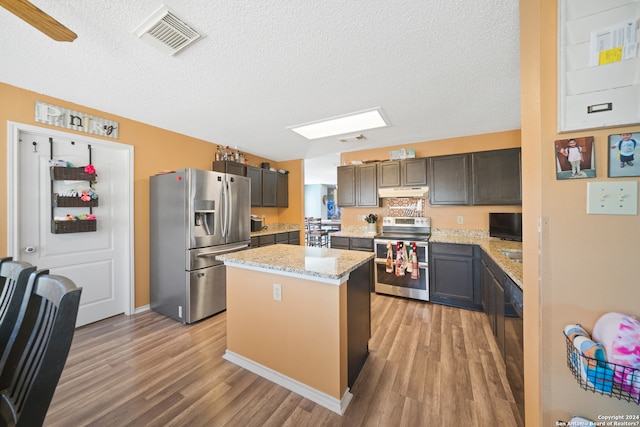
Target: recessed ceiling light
349 123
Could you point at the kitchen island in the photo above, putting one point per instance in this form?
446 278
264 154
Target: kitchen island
300 317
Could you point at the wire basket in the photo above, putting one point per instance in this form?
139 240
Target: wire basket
604 378
73 202
77 226
71 174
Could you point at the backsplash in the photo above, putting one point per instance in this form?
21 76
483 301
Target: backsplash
405 206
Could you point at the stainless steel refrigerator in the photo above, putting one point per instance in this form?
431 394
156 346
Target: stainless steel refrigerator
194 216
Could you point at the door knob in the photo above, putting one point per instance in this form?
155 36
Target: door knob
29 250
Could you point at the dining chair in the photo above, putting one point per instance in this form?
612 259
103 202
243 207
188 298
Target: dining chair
14 276
32 363
317 236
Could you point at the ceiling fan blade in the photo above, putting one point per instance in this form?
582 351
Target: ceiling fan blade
39 19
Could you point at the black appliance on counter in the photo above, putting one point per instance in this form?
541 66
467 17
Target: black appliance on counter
403 232
506 226
256 223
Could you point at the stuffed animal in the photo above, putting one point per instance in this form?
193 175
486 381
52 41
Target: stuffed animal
620 335
85 196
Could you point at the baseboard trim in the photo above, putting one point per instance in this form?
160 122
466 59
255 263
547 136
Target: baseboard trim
339 406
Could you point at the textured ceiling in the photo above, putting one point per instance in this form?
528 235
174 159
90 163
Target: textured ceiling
437 68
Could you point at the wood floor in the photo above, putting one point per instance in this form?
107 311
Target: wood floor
429 365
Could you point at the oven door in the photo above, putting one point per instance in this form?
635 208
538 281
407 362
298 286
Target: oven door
392 283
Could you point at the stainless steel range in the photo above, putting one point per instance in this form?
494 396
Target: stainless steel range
402 257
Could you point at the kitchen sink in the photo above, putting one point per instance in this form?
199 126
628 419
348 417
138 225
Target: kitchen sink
513 254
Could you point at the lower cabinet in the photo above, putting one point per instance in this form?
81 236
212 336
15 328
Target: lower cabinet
364 244
454 275
285 237
493 299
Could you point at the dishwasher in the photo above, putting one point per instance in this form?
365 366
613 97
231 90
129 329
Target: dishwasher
514 340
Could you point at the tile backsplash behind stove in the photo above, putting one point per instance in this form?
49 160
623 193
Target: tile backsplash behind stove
405 206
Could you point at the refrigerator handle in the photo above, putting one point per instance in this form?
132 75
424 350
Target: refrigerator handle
223 216
222 251
230 205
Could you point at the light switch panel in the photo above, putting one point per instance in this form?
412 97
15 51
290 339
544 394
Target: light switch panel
612 198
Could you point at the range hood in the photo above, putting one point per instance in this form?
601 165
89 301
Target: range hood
403 192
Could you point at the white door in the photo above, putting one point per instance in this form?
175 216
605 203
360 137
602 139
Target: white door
99 261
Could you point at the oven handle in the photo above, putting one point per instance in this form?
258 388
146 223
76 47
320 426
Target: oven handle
385 242
383 261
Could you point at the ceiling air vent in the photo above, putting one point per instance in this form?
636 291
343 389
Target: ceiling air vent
353 138
167 32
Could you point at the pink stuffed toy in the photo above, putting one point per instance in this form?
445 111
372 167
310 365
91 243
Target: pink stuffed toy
85 196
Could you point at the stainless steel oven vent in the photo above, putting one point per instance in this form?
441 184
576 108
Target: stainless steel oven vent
167 32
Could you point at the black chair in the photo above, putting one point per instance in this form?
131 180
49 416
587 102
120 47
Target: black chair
32 363
14 276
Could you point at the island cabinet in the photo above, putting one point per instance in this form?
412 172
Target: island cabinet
493 298
357 185
496 177
402 173
454 275
449 182
300 317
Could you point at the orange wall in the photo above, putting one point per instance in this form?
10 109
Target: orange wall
302 337
443 217
580 271
155 149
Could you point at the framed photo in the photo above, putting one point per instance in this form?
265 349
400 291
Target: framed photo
622 150
575 158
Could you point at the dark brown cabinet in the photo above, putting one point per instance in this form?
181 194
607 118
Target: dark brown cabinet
453 275
402 173
493 299
496 177
255 174
226 166
282 238
268 188
449 182
282 191
364 244
358 185
346 182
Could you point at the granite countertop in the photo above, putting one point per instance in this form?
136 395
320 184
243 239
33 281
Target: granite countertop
276 228
324 263
351 231
493 247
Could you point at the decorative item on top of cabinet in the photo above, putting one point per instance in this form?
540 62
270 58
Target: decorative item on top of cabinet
71 198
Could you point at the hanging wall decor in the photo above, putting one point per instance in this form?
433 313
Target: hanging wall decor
575 158
75 120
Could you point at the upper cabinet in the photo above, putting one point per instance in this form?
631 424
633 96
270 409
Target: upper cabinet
357 185
268 188
480 178
496 177
449 182
400 173
282 191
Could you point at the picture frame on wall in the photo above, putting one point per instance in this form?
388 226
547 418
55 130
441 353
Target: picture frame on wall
575 158
624 154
